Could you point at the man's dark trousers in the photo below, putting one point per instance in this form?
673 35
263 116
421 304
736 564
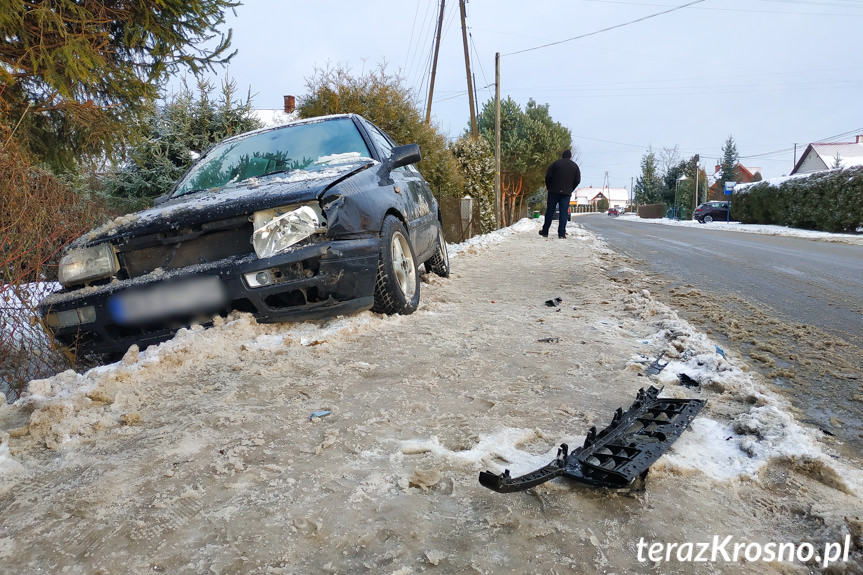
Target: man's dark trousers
561 201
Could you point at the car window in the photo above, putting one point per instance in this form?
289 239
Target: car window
383 143
310 147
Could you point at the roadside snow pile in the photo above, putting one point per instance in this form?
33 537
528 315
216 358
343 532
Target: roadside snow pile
743 446
70 406
769 230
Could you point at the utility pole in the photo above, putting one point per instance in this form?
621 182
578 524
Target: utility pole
473 129
434 63
696 183
497 206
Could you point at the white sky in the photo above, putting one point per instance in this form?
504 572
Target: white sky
771 73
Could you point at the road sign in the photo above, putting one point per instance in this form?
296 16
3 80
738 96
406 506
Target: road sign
729 187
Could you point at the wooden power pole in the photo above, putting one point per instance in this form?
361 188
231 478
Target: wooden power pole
434 62
473 129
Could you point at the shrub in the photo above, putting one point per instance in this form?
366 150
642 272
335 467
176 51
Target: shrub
38 216
830 201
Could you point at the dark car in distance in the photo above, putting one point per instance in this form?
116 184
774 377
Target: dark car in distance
313 219
711 211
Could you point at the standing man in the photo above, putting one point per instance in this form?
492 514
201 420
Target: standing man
561 178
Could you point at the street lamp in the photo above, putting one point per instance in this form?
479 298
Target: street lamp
696 185
676 189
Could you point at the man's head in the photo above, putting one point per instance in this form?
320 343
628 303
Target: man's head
567 154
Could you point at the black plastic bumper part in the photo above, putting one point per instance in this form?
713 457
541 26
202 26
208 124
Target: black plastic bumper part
617 455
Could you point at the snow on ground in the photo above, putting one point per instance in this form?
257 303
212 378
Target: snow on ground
771 230
202 454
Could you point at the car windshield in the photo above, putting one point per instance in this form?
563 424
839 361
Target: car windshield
310 147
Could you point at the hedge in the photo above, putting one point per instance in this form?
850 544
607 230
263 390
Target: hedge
830 201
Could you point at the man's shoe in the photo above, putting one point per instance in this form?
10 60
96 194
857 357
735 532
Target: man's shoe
563 237
545 235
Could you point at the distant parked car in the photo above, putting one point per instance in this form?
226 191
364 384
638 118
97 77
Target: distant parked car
556 216
309 220
613 212
710 211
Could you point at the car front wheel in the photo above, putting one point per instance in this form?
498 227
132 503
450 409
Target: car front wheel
708 219
438 264
397 287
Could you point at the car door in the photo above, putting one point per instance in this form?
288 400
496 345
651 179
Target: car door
414 193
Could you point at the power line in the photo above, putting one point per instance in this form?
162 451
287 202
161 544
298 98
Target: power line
643 18
750 10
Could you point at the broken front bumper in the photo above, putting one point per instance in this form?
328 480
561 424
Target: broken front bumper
307 283
617 455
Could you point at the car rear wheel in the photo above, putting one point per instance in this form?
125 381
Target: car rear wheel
438 264
397 288
708 218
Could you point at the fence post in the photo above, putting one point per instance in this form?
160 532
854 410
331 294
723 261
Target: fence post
467 216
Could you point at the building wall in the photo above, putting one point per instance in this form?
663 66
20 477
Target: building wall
811 163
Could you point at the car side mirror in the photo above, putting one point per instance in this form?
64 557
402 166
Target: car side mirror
404 155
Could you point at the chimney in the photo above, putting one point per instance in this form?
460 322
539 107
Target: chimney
290 104
860 139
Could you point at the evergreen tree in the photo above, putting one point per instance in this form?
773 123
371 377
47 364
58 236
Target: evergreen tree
530 141
728 166
171 136
75 73
648 186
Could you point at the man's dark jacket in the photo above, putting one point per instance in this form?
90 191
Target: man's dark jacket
562 177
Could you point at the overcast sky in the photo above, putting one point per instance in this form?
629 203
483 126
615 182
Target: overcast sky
770 73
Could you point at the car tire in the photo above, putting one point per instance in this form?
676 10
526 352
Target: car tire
438 264
707 219
397 287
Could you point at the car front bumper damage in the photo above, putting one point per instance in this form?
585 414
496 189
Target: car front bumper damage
309 282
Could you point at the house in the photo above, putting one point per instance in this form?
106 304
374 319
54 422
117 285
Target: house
271 118
744 176
586 199
827 156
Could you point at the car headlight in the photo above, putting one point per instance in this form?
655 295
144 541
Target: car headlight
81 265
277 230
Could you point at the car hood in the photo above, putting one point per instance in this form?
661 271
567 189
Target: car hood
238 199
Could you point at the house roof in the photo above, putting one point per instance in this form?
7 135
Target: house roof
615 196
850 154
272 118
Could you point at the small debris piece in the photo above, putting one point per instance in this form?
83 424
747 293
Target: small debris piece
554 302
320 413
720 351
617 455
549 340
687 381
425 479
655 367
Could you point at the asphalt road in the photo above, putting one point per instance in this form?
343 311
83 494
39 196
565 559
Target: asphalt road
793 305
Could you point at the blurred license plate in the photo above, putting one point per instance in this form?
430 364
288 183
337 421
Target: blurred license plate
169 299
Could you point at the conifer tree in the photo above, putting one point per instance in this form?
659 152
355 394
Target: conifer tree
75 73
728 166
170 137
648 186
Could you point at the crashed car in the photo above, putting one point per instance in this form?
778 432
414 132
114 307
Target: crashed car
313 219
